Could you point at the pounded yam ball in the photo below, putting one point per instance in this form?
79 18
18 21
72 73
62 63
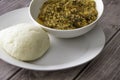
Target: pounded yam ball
24 41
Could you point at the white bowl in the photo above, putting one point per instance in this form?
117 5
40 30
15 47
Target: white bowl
34 10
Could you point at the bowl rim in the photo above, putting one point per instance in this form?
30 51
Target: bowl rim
52 29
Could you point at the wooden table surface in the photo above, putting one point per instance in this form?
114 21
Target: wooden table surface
106 66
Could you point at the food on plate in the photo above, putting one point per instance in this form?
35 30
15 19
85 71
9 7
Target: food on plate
67 14
24 41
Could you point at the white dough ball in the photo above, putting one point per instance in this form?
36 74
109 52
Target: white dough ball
24 41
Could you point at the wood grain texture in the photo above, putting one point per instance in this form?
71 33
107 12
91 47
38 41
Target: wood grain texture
71 73
109 25
9 5
68 74
107 65
7 70
110 20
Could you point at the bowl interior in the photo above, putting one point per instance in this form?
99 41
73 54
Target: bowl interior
36 5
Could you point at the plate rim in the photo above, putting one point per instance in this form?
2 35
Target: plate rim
58 67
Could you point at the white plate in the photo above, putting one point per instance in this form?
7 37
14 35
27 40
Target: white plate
63 53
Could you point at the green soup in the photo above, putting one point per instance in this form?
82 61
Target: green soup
67 14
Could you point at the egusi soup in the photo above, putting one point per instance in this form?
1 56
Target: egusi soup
67 14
